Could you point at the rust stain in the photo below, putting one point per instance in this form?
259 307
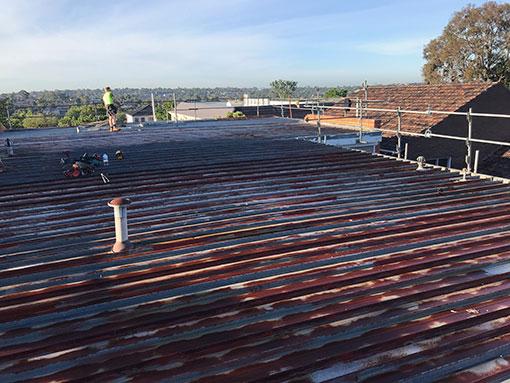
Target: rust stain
256 260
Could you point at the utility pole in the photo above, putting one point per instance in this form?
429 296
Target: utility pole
318 122
153 108
175 110
8 117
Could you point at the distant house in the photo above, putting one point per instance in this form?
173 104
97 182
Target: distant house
59 111
247 101
200 110
141 115
267 107
487 97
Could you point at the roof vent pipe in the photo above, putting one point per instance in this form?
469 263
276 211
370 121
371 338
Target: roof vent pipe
10 148
121 230
421 161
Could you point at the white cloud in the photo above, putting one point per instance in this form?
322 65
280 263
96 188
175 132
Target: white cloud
79 55
67 43
394 47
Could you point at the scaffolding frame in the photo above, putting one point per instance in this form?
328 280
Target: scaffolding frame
362 110
316 105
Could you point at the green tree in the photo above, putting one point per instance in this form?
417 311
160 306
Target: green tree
14 117
236 114
474 46
23 95
336 93
81 98
284 88
77 115
17 118
162 109
33 121
3 112
121 117
53 99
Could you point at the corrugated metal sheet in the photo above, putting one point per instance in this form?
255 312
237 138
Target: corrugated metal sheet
256 260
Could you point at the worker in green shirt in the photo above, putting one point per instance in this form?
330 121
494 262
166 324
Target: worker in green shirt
111 109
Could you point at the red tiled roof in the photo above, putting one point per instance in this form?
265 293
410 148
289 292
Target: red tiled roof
438 97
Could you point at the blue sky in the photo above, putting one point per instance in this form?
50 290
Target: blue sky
69 44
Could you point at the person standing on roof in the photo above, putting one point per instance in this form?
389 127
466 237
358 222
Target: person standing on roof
109 103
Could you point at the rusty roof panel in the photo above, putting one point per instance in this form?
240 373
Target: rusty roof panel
256 259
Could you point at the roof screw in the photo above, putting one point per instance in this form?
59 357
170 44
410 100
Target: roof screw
121 230
421 161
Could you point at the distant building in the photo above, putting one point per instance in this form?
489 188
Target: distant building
279 108
58 111
200 110
141 115
247 101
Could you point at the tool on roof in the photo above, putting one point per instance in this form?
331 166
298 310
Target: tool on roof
85 165
106 180
119 155
65 160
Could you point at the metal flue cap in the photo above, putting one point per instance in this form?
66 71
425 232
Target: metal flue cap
119 202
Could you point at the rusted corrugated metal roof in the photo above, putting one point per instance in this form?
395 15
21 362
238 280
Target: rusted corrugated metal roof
255 260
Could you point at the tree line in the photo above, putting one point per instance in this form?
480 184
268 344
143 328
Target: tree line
27 110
